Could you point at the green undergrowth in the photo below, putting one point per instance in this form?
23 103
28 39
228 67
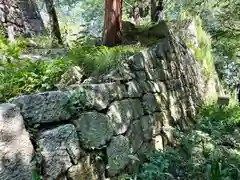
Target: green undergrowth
209 151
204 52
23 76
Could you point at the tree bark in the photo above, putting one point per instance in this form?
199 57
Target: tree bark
156 10
112 22
136 15
53 21
153 8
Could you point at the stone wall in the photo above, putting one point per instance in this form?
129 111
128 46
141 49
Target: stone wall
20 17
102 127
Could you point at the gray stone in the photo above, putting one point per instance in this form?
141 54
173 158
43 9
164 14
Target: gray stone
153 86
168 138
117 153
121 113
141 75
16 150
157 74
150 104
135 136
94 129
134 89
162 100
151 73
160 52
149 60
44 107
72 76
167 119
146 123
152 55
137 109
152 125
99 95
86 169
173 97
126 72
137 61
162 75
145 86
162 86
24 21
117 91
158 143
162 64
175 84
176 112
60 150
113 76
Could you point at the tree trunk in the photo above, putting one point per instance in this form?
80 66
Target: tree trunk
136 15
156 10
20 18
112 22
53 21
153 8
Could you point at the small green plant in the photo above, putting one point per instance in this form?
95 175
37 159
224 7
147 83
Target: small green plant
24 76
204 152
157 168
11 50
38 162
18 76
96 60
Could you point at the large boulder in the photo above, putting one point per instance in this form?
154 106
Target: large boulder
121 113
44 107
94 129
118 155
16 150
61 150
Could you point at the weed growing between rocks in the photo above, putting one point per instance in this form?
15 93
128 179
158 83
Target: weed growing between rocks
210 151
97 60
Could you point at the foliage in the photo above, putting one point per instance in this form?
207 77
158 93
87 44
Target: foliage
204 52
19 76
100 59
24 76
11 50
210 151
225 118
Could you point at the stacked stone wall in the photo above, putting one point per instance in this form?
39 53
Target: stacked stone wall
110 122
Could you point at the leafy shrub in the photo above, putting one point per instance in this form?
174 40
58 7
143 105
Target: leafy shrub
225 118
18 76
24 76
11 51
204 152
